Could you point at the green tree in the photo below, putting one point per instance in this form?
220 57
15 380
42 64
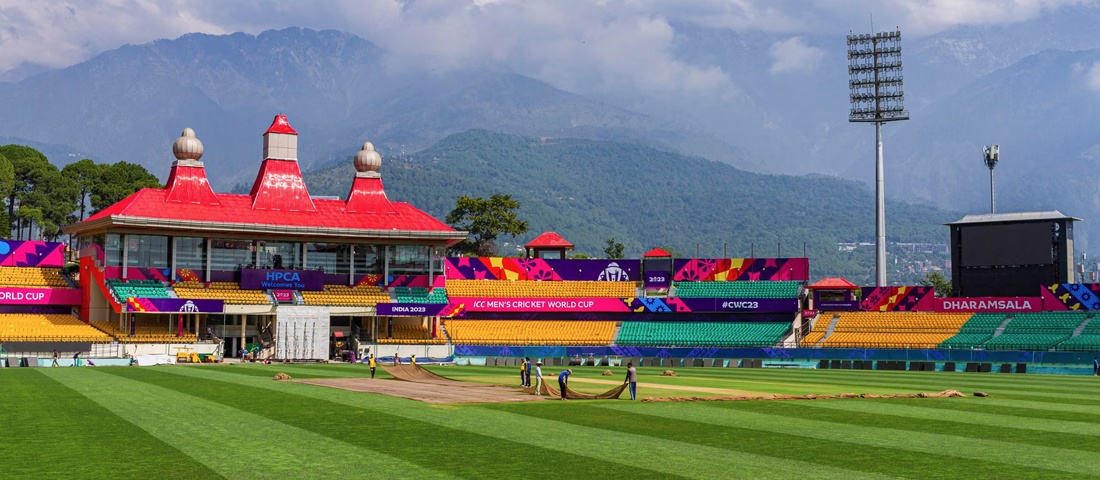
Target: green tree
85 173
26 163
7 185
119 181
485 219
939 281
613 250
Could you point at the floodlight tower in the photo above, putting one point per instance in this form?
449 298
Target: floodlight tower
991 154
875 80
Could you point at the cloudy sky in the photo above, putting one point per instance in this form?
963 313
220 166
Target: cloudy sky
564 42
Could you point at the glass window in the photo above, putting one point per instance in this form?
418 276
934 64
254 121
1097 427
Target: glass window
147 251
330 257
409 259
112 250
229 254
281 255
368 259
191 253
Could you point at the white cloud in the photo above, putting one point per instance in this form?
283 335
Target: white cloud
1092 77
579 45
933 16
793 55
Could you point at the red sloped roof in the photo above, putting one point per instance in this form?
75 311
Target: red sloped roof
237 209
188 184
833 283
281 125
279 186
657 252
549 240
368 196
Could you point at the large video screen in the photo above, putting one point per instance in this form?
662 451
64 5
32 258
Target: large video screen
1005 282
1003 245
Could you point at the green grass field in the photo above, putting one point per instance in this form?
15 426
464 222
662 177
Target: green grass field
234 421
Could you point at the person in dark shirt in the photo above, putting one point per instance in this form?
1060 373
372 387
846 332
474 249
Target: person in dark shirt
527 372
563 381
632 379
1095 366
54 358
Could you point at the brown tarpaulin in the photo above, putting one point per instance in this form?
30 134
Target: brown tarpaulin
415 373
943 394
570 393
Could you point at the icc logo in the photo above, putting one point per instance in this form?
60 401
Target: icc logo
189 307
613 273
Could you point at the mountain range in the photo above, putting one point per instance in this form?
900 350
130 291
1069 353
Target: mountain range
1031 87
592 190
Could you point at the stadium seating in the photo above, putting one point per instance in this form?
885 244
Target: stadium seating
739 289
345 296
410 335
891 329
530 332
975 331
420 295
137 288
35 327
702 334
1087 341
539 289
156 330
229 292
34 277
1036 331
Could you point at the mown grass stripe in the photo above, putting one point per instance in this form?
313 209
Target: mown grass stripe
1036 379
934 414
675 458
410 438
1025 409
232 442
809 410
47 430
983 457
874 382
837 454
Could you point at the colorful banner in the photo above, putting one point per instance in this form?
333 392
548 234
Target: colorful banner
897 299
748 305
40 296
503 268
734 269
541 304
174 305
459 306
264 279
410 309
1071 296
16 253
990 304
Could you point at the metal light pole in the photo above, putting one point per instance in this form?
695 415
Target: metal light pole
991 154
874 68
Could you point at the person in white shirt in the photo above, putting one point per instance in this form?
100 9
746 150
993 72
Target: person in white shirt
538 378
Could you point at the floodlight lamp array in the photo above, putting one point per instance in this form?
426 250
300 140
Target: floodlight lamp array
875 77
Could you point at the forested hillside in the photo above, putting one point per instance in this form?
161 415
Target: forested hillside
592 190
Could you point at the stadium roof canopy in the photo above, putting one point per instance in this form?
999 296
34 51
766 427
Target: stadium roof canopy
278 205
833 283
657 252
549 240
1012 217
